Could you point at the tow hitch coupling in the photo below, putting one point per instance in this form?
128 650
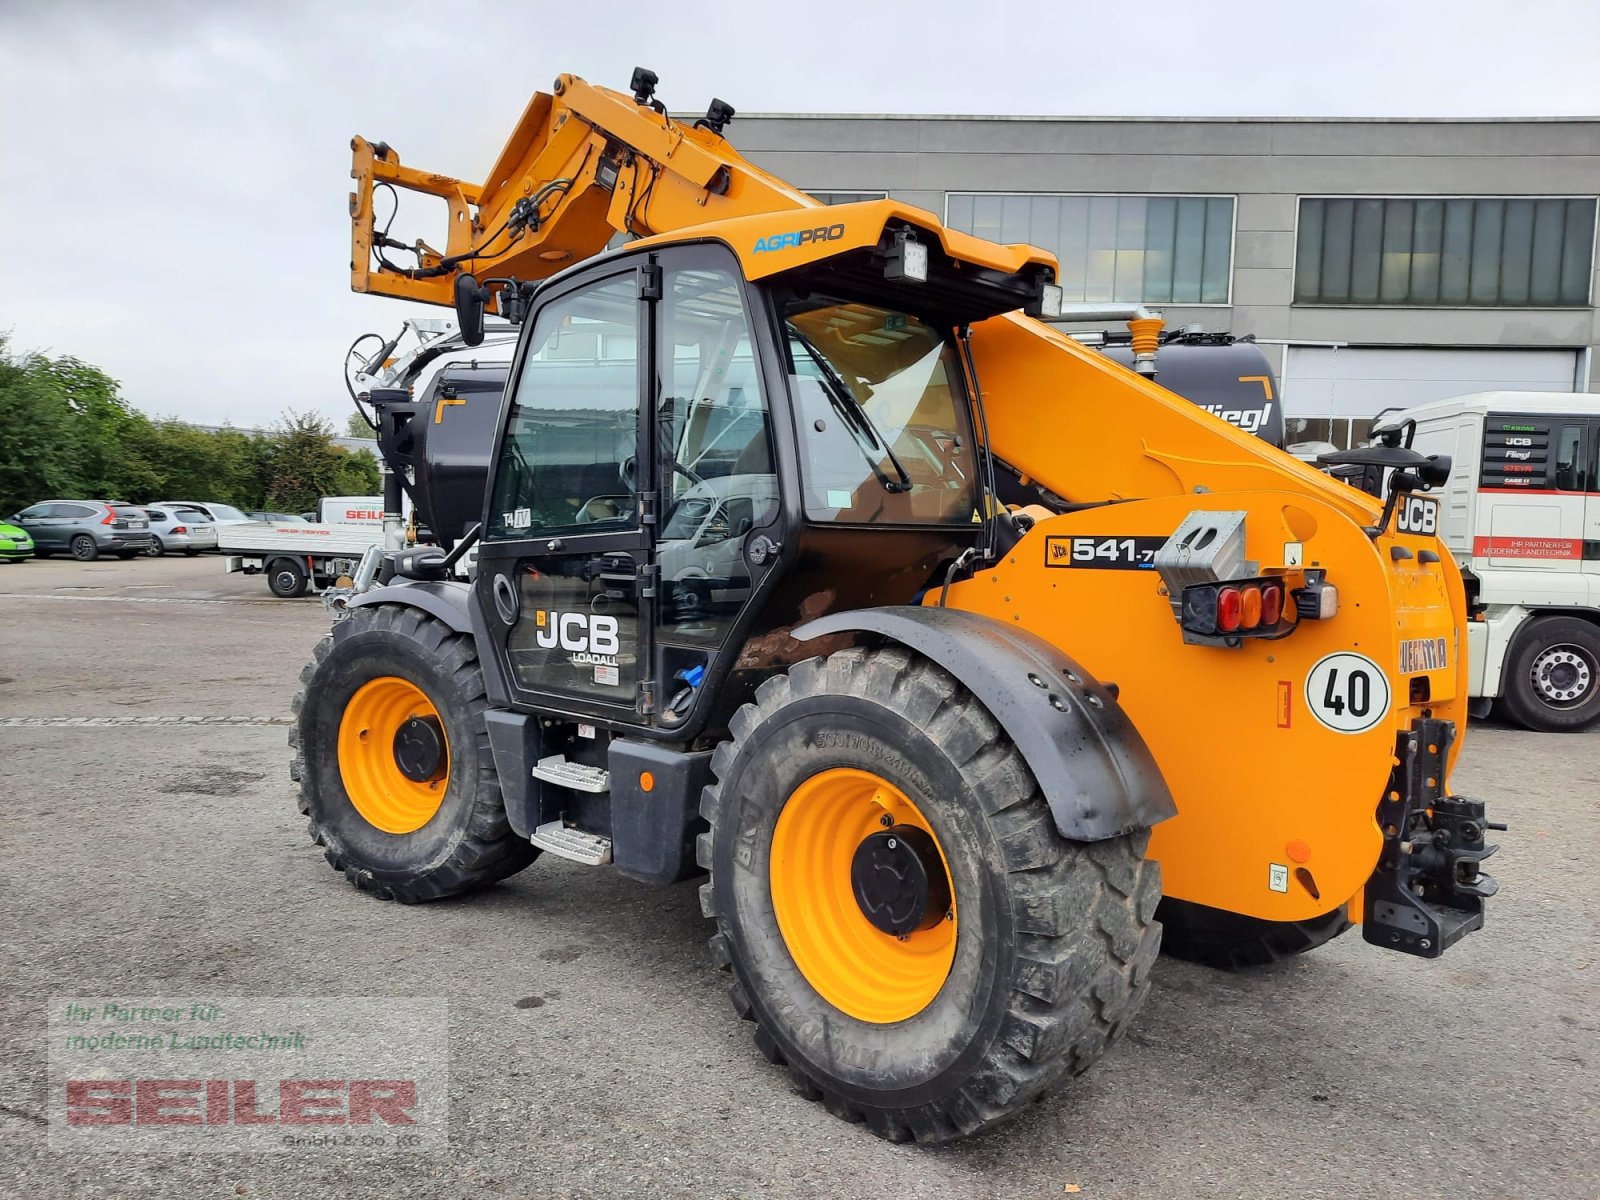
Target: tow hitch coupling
1428 891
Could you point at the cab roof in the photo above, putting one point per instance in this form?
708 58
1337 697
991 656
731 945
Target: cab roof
769 243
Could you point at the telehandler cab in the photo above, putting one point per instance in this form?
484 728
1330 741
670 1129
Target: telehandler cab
960 657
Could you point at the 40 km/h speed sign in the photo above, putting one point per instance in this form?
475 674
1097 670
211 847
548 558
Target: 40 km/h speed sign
1349 693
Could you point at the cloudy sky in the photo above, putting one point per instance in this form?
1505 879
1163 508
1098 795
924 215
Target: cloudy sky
173 174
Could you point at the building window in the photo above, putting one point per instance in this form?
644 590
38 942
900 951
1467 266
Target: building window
1495 253
1116 249
847 197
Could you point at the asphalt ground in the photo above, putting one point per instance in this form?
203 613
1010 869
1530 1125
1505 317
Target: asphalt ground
150 848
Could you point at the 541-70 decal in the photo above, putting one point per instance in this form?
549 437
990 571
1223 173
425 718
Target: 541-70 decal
1102 552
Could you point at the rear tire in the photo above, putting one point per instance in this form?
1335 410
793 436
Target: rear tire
287 579
1053 940
83 548
1552 675
1214 937
190 553
467 842
127 555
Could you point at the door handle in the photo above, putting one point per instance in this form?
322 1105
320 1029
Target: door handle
506 602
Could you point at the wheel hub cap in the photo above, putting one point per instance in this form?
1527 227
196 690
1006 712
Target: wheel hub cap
419 749
1562 674
898 880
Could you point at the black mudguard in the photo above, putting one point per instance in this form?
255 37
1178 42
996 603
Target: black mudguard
1094 769
449 601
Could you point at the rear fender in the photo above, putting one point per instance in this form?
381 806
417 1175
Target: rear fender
1090 762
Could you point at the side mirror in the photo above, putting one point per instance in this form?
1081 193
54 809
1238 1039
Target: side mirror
471 300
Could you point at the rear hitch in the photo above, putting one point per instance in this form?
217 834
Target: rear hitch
1428 891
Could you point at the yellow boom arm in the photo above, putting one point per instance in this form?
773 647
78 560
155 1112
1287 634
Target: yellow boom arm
583 164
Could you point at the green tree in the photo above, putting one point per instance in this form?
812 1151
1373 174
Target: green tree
300 465
355 425
109 438
37 459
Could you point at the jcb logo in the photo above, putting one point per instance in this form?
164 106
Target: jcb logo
1417 515
579 632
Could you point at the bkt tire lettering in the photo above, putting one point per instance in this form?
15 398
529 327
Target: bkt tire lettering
578 632
785 241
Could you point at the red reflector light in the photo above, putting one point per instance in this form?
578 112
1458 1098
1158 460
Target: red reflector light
1250 607
1271 603
1230 609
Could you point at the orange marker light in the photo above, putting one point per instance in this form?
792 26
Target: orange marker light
1250 607
647 781
1230 606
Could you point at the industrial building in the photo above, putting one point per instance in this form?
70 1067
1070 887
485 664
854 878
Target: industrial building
1379 262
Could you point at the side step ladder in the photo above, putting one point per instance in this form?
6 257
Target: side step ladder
557 770
559 838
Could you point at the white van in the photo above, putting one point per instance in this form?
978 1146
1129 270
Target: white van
1521 513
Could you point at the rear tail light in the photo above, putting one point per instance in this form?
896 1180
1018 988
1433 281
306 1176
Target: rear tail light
1230 609
1246 608
176 529
110 518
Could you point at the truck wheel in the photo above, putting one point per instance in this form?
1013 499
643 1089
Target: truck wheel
287 578
1217 938
909 932
393 760
1552 679
83 548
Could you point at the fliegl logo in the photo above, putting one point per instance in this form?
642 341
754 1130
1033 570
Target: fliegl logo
592 639
1248 419
786 241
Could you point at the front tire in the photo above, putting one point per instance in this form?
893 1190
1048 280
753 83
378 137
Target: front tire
397 826
1552 676
157 547
1044 956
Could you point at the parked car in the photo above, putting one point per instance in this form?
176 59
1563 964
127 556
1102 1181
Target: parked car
220 514
15 544
271 517
185 529
85 529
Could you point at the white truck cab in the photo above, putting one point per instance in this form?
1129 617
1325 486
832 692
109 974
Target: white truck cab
1521 513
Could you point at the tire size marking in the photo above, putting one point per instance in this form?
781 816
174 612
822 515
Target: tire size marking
1347 693
1102 552
1417 514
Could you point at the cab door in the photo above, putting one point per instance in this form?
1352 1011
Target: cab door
564 570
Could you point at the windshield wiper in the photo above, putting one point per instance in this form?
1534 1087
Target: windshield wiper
856 419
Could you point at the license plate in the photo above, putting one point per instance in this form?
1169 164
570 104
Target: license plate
1417 514
1424 654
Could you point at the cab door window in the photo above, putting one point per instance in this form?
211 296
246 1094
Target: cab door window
716 468
567 463
1571 467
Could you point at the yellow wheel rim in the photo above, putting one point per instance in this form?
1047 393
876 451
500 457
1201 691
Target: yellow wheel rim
385 796
858 968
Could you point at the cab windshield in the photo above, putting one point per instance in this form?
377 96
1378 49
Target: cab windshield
882 420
